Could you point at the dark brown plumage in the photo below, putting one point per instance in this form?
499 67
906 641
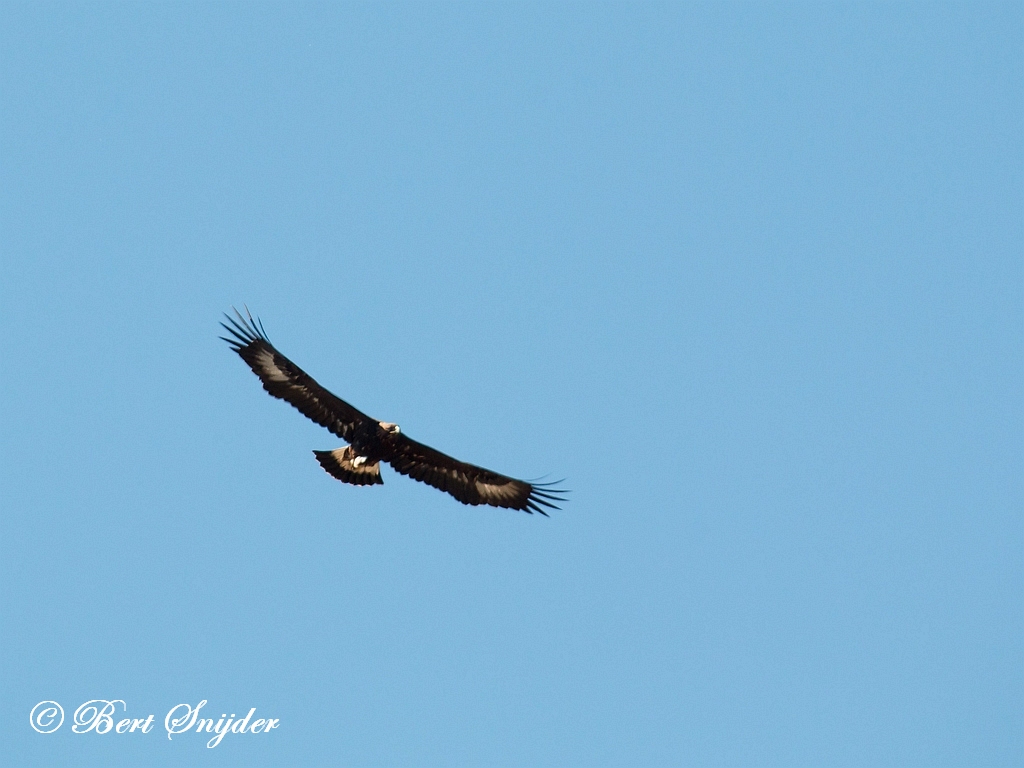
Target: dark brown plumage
371 441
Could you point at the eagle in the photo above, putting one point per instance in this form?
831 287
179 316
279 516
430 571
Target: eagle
370 441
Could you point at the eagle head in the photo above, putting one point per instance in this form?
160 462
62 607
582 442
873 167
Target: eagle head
391 429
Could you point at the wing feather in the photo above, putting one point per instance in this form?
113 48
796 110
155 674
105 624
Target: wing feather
469 483
285 380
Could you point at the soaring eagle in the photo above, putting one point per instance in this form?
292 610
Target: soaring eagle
370 441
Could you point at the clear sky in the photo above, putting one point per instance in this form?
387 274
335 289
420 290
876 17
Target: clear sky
748 276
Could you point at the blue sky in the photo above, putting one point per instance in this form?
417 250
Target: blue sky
748 276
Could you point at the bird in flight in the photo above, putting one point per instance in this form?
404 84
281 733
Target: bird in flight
370 441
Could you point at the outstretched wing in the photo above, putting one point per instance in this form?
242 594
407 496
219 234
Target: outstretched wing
284 379
468 483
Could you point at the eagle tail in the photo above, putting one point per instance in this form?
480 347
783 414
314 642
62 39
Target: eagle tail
345 465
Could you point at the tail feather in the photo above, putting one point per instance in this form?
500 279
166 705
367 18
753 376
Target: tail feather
347 466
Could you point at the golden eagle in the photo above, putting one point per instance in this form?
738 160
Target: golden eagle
370 441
